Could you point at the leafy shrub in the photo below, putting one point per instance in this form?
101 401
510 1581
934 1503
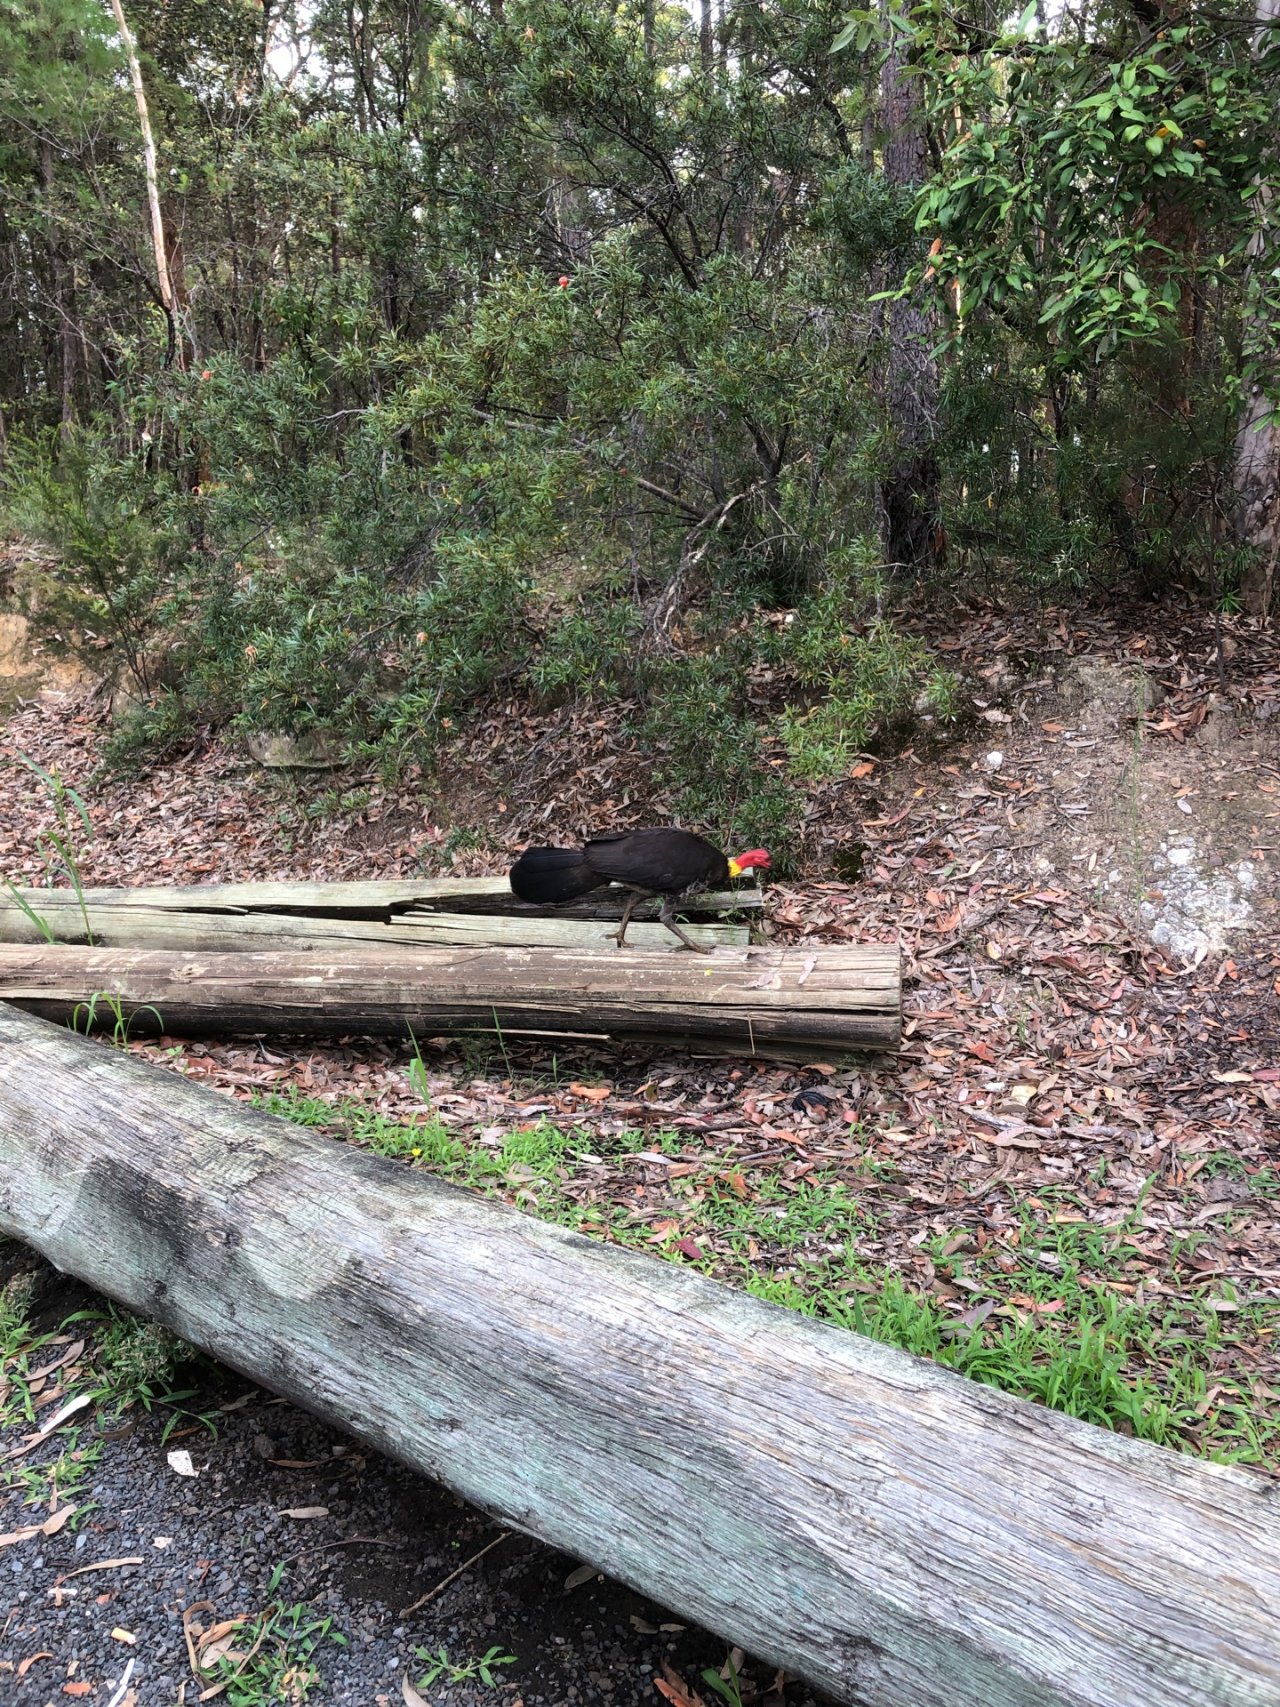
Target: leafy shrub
121 549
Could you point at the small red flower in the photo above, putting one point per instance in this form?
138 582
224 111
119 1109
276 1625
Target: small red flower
564 281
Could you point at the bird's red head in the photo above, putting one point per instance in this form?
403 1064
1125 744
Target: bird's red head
755 859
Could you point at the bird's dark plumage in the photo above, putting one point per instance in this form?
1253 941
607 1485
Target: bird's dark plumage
665 862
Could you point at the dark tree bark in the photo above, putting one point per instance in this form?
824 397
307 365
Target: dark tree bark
63 278
908 497
1257 466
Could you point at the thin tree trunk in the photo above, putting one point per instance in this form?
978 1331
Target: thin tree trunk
63 296
908 498
158 245
1257 465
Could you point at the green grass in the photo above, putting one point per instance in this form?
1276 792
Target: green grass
126 1362
482 1669
273 1657
1056 1308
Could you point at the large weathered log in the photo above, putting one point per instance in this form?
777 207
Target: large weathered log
899 1536
745 999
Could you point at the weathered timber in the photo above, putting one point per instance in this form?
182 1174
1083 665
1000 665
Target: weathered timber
383 901
119 923
897 1535
743 999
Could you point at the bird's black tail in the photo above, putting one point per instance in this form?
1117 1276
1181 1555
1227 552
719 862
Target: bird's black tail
553 874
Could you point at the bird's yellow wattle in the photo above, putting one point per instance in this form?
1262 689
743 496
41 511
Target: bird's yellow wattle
735 870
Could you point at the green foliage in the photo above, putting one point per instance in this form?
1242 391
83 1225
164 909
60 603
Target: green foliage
120 551
1121 161
709 749
274 1654
395 466
136 1363
483 1668
872 679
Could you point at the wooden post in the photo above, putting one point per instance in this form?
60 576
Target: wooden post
895 1534
749 1000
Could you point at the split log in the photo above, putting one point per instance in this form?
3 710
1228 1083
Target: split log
749 1000
115 920
893 1533
383 901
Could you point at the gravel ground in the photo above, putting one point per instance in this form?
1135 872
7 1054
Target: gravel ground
377 1539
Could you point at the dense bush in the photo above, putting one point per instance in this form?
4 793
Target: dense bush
558 348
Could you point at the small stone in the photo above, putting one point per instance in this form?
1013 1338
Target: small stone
993 761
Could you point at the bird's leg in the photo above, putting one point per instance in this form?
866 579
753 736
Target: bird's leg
620 935
665 918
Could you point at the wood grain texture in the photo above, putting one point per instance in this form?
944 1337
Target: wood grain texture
130 924
375 900
892 1532
835 999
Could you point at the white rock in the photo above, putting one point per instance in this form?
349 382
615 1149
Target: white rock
993 761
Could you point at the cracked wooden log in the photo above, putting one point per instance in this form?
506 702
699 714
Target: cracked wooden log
107 924
383 901
893 1533
774 1001
335 917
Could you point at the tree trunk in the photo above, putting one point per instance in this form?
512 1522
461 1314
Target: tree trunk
908 498
784 1002
62 274
158 245
1257 466
896 1535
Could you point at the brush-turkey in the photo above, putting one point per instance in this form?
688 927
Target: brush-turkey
670 863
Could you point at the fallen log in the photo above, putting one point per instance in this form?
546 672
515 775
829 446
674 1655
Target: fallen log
114 923
893 1533
374 900
749 1000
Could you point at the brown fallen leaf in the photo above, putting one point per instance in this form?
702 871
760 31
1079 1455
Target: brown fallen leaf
99 1565
50 1526
411 1696
77 1688
31 1659
674 1688
583 1574
306 1511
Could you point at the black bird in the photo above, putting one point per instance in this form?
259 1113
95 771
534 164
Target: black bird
666 862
